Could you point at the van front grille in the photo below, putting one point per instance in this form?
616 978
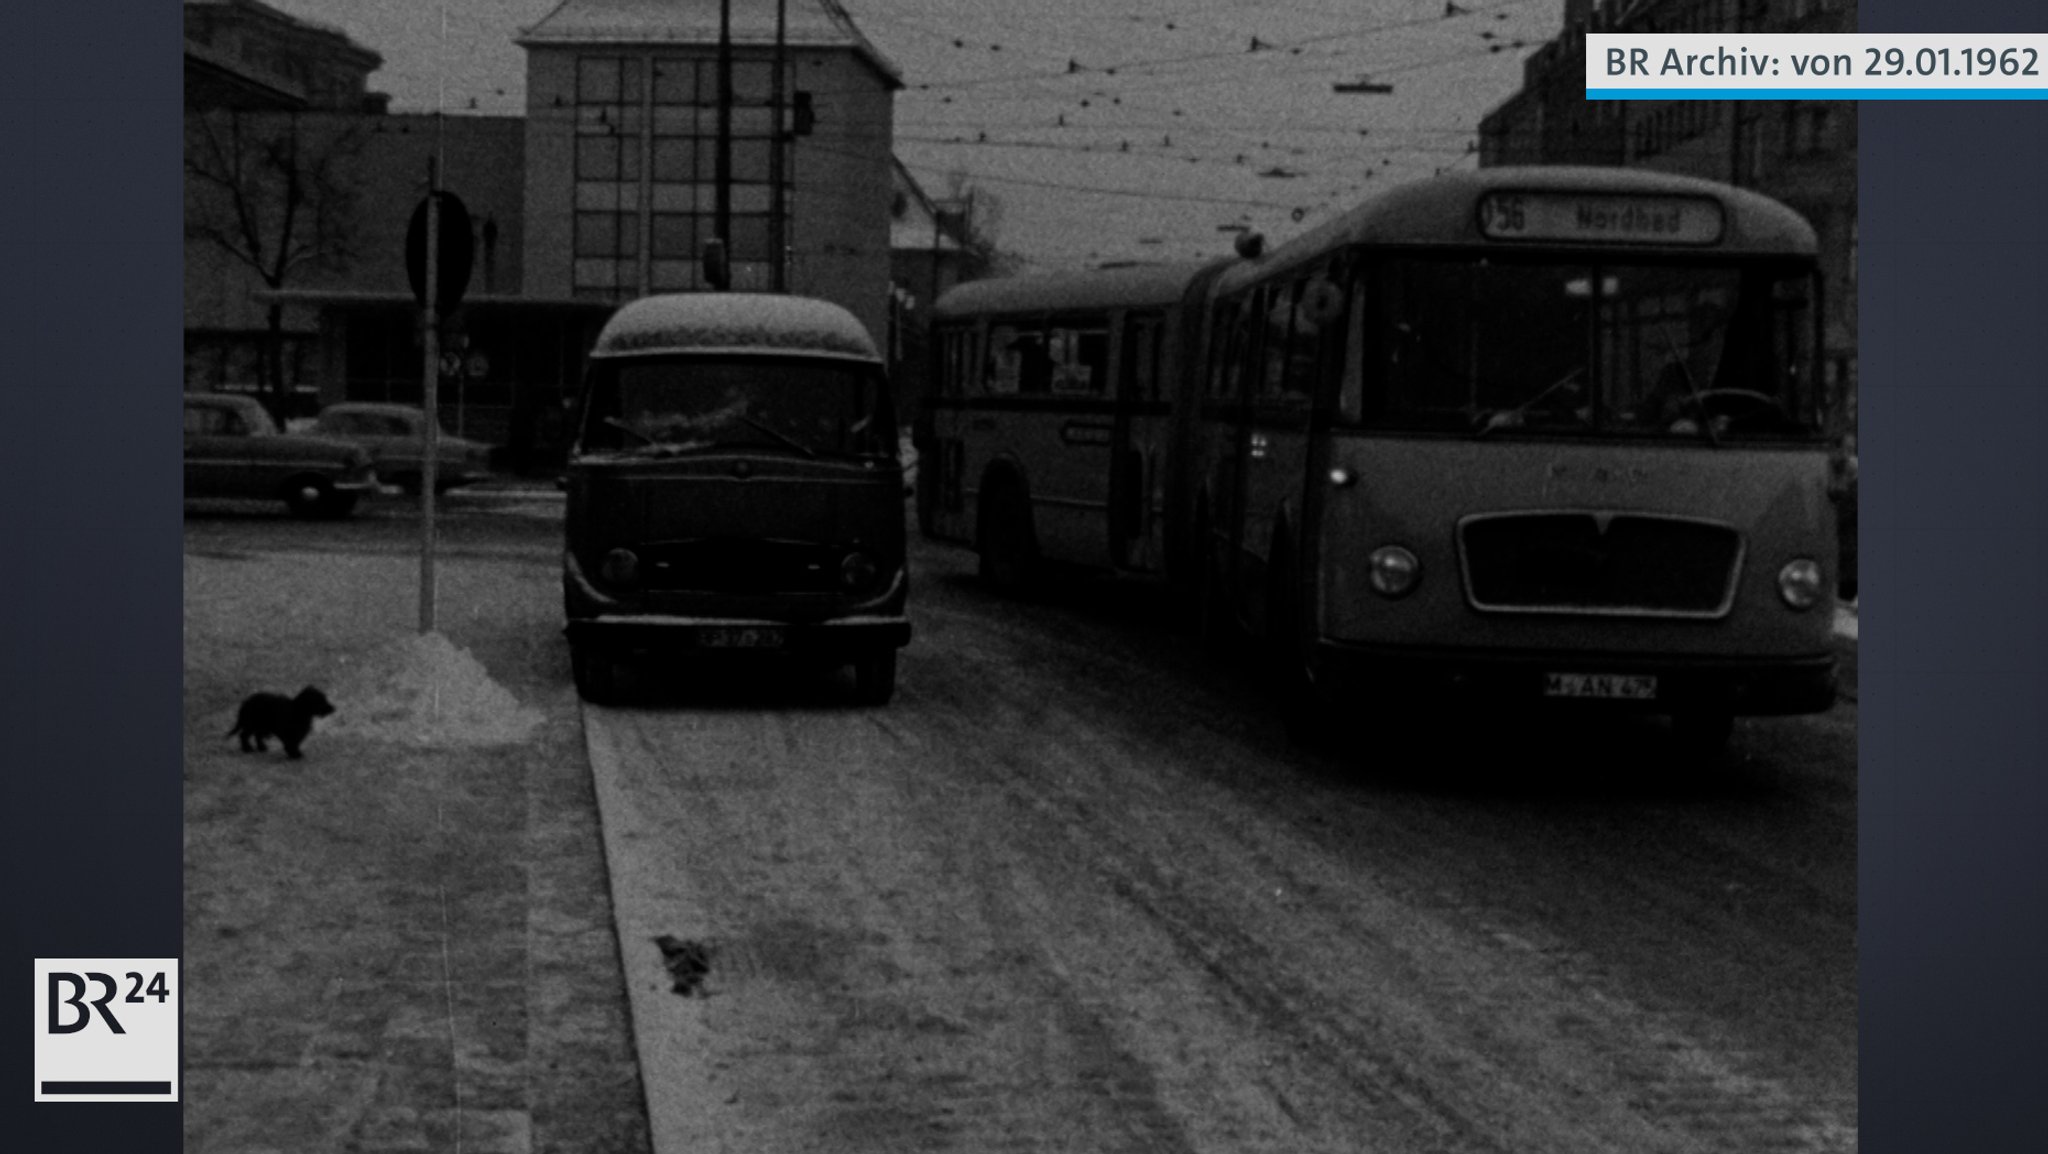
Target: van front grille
740 566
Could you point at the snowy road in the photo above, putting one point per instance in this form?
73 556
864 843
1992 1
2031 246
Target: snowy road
1072 891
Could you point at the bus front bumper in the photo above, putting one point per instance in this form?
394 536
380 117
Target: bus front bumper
1664 684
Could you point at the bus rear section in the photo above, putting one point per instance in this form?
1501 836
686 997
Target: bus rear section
1047 436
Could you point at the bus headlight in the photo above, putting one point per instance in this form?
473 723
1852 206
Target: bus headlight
1799 583
1394 570
621 567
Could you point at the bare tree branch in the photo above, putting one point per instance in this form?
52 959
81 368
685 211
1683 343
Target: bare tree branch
271 190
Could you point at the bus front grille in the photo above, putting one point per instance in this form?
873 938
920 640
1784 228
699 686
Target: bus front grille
1606 564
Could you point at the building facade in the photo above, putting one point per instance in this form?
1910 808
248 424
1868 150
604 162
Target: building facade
627 103
255 51
609 188
1801 152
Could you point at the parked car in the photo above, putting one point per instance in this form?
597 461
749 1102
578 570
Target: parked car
233 449
396 438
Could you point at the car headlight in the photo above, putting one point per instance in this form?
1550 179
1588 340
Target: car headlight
621 567
1394 571
1799 583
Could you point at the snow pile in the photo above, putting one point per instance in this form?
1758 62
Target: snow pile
425 689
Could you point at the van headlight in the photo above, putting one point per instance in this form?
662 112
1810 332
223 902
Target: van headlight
857 571
1799 583
1394 571
621 567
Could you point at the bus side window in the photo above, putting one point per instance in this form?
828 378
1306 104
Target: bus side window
1351 380
1279 334
1002 365
1318 312
1034 363
1078 360
1224 336
1317 356
1140 360
1244 360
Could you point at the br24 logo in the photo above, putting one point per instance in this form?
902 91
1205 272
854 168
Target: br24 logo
75 1001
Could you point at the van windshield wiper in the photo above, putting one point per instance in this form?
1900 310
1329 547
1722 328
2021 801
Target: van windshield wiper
778 434
645 436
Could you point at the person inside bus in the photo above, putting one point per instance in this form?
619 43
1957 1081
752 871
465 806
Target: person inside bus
1670 405
1034 369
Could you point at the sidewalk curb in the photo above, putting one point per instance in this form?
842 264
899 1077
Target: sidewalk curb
670 1038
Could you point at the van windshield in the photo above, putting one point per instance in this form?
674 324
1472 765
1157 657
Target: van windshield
671 406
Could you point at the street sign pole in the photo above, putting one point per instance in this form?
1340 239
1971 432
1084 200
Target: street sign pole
439 275
430 379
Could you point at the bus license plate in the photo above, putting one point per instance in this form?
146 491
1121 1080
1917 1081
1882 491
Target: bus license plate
1610 686
740 638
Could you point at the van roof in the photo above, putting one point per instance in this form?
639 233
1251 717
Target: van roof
734 323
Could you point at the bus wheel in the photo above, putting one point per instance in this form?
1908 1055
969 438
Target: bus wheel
1009 546
597 675
1702 733
874 677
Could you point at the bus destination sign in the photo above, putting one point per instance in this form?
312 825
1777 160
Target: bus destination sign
1590 218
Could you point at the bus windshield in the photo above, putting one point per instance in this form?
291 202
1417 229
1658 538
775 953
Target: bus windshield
1698 351
678 405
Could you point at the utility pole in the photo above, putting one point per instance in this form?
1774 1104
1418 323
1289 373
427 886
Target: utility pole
1735 133
723 224
430 379
778 211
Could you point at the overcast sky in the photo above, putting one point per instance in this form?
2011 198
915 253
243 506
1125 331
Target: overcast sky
1106 129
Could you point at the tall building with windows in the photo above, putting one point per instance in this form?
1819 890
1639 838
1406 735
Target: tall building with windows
608 189
627 183
1801 152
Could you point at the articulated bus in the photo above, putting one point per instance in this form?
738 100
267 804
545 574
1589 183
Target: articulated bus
1523 435
1048 429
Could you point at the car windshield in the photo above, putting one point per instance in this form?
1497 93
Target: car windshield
674 405
1695 351
366 423
240 420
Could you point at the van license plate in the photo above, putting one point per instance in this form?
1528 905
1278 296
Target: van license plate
1611 686
740 638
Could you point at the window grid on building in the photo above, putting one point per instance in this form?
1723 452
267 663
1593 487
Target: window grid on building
646 188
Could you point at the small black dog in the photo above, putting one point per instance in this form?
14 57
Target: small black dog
289 719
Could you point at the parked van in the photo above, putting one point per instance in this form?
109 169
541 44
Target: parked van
734 486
